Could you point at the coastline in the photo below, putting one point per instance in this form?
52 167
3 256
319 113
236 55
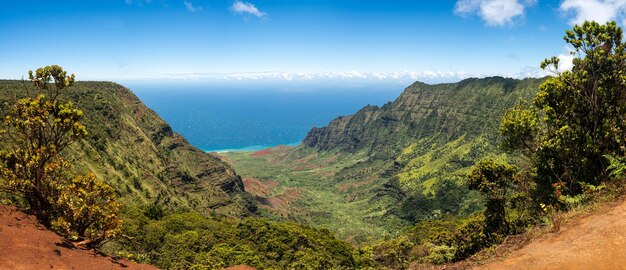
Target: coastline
252 148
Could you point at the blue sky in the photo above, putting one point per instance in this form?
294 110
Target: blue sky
295 40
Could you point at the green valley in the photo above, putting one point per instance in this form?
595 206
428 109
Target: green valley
369 175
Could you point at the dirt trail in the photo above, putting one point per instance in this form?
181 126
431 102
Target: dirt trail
597 241
25 244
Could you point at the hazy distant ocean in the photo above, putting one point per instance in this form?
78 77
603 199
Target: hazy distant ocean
230 118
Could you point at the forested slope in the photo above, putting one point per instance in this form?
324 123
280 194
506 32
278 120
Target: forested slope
130 147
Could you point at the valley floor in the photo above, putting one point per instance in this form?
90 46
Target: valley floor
25 244
301 187
596 241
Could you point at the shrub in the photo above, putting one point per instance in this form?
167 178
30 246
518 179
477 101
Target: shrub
440 254
471 237
86 208
38 129
393 254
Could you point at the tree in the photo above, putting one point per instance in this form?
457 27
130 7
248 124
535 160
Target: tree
577 116
495 180
38 129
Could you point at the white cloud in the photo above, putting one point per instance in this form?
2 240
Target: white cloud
494 12
601 11
247 8
191 7
350 75
339 77
428 76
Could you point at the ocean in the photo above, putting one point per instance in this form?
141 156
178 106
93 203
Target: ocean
239 117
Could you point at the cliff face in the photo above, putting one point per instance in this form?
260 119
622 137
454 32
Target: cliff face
445 110
130 147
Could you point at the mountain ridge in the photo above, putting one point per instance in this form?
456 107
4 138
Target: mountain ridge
130 147
417 114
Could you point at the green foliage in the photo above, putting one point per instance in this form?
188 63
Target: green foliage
87 208
471 237
416 207
195 241
439 232
571 202
154 211
450 238
508 207
520 127
428 161
617 166
441 254
43 77
393 254
37 130
447 198
495 180
433 241
583 114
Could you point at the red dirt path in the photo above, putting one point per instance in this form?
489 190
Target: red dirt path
596 241
25 244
